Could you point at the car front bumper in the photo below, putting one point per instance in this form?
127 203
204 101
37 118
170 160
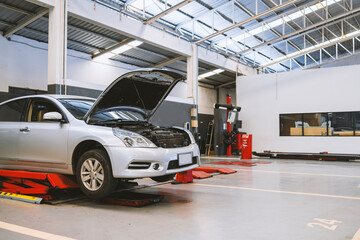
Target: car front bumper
167 158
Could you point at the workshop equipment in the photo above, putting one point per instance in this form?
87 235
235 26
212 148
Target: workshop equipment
34 183
219 129
200 174
20 197
209 137
53 188
224 116
243 144
215 170
184 177
228 124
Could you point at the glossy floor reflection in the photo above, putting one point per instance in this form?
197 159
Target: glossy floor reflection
285 199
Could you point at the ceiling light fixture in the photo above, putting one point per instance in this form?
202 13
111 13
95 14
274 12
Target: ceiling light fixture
211 73
118 50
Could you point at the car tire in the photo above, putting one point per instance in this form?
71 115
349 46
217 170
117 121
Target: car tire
94 174
164 178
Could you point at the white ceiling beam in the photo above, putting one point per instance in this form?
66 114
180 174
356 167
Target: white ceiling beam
260 15
43 3
204 80
108 18
206 85
167 11
226 84
167 62
25 22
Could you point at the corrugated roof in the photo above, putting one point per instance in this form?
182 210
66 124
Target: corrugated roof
199 16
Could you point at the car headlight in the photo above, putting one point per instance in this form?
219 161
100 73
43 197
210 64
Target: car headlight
131 139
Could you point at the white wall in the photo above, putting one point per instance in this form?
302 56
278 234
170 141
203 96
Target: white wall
264 97
224 91
23 63
22 66
207 100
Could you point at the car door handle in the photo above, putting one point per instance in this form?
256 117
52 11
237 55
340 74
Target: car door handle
25 129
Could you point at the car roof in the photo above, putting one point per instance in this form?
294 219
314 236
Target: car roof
55 96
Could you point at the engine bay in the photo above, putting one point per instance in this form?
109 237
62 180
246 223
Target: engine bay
161 136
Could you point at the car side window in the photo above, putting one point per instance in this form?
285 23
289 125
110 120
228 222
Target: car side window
12 111
38 108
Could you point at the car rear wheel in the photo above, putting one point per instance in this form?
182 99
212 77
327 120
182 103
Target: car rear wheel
164 178
94 174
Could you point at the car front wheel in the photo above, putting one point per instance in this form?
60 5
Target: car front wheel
94 174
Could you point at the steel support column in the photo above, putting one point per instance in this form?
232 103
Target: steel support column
193 84
57 46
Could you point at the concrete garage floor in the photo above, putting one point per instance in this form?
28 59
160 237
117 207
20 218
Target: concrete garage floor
287 199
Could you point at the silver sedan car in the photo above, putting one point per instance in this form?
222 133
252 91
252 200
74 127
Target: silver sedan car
98 140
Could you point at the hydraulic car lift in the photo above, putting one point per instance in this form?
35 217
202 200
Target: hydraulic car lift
53 188
41 186
200 173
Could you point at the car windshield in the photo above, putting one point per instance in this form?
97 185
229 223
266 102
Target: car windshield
77 107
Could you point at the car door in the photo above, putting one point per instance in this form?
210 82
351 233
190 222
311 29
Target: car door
11 113
43 142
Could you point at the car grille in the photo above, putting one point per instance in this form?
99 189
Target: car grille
174 164
139 165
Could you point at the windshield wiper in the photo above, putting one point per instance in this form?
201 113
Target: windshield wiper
109 121
118 121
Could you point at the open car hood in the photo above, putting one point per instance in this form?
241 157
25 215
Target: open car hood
143 89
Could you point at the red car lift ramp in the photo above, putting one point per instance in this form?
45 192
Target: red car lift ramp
14 184
56 188
215 170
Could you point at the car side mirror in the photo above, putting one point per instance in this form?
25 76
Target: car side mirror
53 116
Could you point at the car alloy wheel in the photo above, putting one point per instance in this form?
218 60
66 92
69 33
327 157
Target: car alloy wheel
92 174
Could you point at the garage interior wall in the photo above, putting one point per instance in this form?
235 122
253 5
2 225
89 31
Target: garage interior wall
223 92
23 64
264 97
